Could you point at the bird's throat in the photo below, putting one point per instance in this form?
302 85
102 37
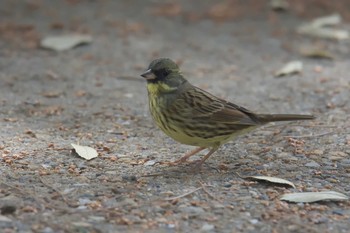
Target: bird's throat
159 88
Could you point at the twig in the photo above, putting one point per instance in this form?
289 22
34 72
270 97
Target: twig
56 190
309 136
183 195
204 187
153 175
239 175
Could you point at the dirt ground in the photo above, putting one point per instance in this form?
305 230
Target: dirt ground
93 95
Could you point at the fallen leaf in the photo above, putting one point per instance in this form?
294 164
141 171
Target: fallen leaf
314 196
222 11
329 20
85 152
168 10
9 119
51 94
65 42
270 179
317 28
80 93
326 33
290 68
279 5
316 53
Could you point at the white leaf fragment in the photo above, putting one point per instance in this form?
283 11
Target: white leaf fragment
270 179
329 20
85 152
314 196
64 42
317 28
150 163
290 68
326 33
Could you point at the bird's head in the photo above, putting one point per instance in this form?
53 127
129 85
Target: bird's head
164 74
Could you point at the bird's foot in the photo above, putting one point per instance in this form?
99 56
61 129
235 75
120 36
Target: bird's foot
184 158
174 163
196 164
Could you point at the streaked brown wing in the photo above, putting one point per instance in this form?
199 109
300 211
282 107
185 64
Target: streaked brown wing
199 104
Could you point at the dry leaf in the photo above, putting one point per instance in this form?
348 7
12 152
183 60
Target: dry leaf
317 28
279 5
326 33
85 152
316 53
270 179
52 94
61 43
314 196
168 10
222 11
326 21
290 68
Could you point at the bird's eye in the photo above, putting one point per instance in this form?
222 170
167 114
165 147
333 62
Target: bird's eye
165 73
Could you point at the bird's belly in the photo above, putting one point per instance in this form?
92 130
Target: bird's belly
180 136
193 132
206 139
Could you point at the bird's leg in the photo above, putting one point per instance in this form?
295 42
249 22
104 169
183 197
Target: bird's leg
200 162
185 157
188 155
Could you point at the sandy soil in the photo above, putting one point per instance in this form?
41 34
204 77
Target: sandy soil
93 95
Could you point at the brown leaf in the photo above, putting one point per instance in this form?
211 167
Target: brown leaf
167 10
51 94
222 11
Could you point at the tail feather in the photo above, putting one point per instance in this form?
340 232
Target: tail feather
265 118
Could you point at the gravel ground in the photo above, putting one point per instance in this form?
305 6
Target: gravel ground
93 95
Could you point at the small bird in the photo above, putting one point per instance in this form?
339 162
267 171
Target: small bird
195 117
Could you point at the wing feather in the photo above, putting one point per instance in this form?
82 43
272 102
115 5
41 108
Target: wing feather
198 104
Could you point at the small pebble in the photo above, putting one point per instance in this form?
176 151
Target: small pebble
338 212
5 219
150 163
192 210
312 164
47 230
113 173
96 218
129 202
254 221
207 227
317 152
129 178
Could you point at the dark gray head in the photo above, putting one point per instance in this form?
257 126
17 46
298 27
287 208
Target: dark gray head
163 70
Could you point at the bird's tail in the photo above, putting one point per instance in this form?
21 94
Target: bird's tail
265 118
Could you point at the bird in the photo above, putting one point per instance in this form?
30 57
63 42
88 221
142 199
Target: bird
195 117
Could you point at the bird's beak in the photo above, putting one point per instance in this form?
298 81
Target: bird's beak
148 74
